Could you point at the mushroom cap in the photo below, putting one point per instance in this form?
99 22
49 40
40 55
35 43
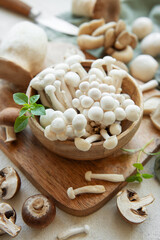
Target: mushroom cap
9 212
46 120
8 116
110 142
10 182
82 144
107 103
95 113
142 26
79 122
70 193
88 175
58 125
132 112
126 204
72 79
38 211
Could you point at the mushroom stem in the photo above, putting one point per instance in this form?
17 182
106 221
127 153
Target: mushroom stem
86 189
66 100
149 85
10 134
43 99
106 177
142 201
8 226
58 92
38 204
73 231
77 67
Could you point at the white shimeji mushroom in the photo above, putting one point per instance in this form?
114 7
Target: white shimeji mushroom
117 76
79 122
108 80
72 79
95 114
103 87
76 103
120 114
84 86
99 74
70 131
77 67
94 93
86 102
132 112
107 103
99 64
94 84
74 59
48 133
110 141
127 102
46 120
108 118
115 128
78 93
50 91
63 66
85 144
58 92
69 114
58 125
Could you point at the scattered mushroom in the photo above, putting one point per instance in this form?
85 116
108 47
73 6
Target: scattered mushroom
144 67
155 117
109 10
25 46
7 119
142 26
131 207
107 177
73 231
85 144
7 220
149 85
151 44
86 189
38 211
9 183
151 104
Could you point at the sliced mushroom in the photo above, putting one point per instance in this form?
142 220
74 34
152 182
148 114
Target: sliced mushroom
38 211
7 220
102 29
131 207
7 119
124 55
109 38
9 182
120 26
90 27
90 42
155 117
151 104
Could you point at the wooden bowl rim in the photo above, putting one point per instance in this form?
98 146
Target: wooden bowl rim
87 63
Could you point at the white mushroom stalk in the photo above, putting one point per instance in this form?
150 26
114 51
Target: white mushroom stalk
8 226
106 177
97 189
149 85
73 231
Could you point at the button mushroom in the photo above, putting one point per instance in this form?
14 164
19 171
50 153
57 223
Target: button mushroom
7 119
131 207
73 231
9 182
38 211
7 220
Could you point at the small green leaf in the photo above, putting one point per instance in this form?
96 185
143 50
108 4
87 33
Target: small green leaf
20 98
20 123
34 99
131 178
23 111
152 154
130 150
146 175
139 166
38 110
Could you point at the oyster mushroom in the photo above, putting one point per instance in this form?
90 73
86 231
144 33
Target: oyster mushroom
7 119
131 207
7 220
38 211
9 182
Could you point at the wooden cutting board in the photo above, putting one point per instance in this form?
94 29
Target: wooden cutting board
52 175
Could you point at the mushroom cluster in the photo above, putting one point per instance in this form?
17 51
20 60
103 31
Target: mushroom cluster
84 106
117 41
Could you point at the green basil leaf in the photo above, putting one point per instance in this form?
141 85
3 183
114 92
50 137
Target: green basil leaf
147 176
38 110
139 166
20 98
131 178
139 179
157 168
20 123
34 99
23 111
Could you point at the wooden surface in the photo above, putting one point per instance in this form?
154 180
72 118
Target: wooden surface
16 6
52 175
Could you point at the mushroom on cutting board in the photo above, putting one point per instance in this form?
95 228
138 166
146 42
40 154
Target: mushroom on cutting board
23 51
38 211
131 207
7 119
7 220
9 183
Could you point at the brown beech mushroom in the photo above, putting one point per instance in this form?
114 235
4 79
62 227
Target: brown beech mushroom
38 211
7 220
7 119
9 182
109 10
131 207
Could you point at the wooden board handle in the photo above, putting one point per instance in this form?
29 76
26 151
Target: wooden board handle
16 6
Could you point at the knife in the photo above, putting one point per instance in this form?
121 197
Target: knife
40 17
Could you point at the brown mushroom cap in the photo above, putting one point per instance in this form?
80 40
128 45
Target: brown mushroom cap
9 182
38 211
8 116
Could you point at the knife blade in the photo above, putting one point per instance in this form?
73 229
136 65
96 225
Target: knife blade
39 17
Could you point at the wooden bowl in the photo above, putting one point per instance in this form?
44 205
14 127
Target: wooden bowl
67 148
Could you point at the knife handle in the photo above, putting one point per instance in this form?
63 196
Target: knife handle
16 6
